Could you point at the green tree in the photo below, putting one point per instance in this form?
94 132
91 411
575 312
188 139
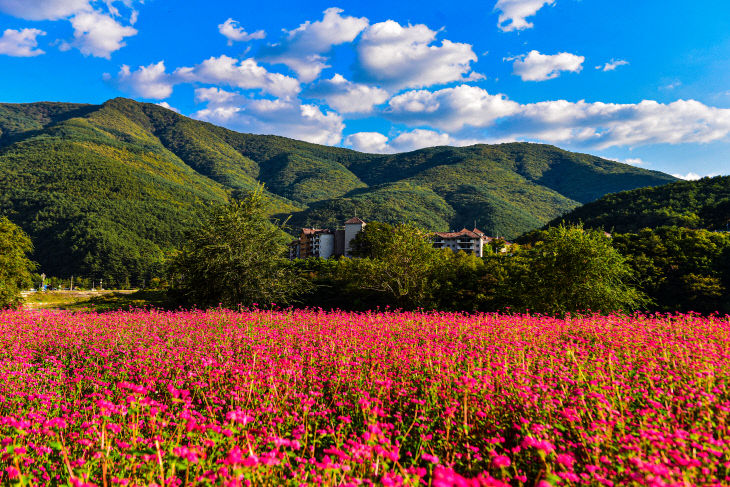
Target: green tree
236 257
15 267
680 269
572 269
397 262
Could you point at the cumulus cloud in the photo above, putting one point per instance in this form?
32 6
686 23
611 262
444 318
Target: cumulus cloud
21 43
451 108
302 49
612 64
233 31
246 74
605 125
690 176
43 9
284 117
397 57
420 138
164 104
377 143
513 13
147 81
346 96
601 125
96 34
370 142
540 67
635 161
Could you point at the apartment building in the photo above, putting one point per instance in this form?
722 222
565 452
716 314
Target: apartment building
326 243
470 241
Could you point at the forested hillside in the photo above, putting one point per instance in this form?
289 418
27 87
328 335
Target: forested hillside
693 204
107 189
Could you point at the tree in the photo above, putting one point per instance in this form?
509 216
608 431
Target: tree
398 262
680 269
15 267
236 257
572 269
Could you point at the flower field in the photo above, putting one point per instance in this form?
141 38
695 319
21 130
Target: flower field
315 398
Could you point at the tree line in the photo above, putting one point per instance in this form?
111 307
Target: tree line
236 257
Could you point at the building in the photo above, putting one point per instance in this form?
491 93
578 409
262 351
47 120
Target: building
353 226
470 241
326 243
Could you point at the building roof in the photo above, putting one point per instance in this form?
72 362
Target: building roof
353 221
461 233
476 233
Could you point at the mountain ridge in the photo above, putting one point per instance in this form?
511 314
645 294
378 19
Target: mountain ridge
108 189
704 203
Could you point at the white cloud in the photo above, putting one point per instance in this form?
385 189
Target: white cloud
377 143
96 34
21 43
612 64
540 67
147 81
233 31
246 74
513 13
164 104
215 96
346 96
43 9
468 109
610 124
690 176
398 57
420 138
302 49
451 108
282 117
370 142
671 85
635 161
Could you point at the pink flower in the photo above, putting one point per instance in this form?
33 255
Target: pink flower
501 461
430 458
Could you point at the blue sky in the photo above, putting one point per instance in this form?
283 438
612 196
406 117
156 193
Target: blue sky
646 83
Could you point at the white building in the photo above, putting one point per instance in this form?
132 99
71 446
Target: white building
325 243
470 241
353 226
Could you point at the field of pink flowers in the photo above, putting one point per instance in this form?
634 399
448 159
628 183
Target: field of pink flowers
315 398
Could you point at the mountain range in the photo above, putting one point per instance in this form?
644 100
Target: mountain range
108 189
704 203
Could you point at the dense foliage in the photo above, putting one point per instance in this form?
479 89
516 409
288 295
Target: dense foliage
568 269
565 269
15 267
693 204
105 191
680 269
234 258
313 398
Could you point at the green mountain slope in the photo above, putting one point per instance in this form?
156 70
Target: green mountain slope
695 204
106 190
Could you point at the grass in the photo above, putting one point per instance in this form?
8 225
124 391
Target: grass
100 301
